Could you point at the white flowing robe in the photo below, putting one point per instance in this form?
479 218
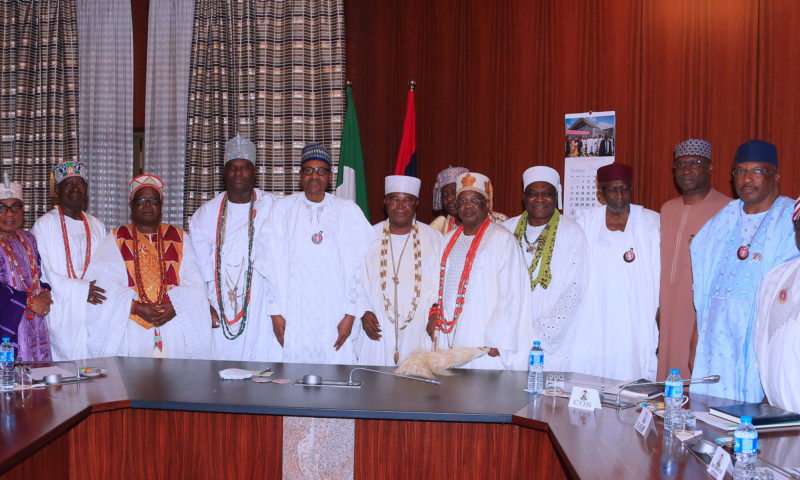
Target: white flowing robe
552 310
413 336
65 322
777 335
313 286
257 342
495 301
113 333
616 334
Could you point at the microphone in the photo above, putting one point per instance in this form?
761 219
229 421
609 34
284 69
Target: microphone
350 380
701 380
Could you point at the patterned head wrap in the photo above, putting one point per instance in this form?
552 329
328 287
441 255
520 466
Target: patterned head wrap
401 184
315 151
693 147
69 169
240 147
757 151
9 189
445 177
146 181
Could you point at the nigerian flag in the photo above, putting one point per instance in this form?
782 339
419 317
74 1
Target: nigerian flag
351 181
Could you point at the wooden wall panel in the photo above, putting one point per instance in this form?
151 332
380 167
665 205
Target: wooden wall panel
496 78
698 79
779 86
389 449
174 444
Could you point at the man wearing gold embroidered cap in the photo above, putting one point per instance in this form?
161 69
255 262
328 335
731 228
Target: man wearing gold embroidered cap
483 284
156 297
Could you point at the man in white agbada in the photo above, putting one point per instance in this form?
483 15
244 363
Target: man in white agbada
400 277
156 302
554 247
68 239
223 233
616 334
777 331
482 261
313 266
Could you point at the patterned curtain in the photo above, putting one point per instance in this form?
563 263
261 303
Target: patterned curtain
272 71
38 94
169 40
106 96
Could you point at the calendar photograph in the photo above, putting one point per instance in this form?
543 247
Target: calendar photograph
589 143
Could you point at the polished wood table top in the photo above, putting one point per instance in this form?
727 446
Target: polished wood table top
604 444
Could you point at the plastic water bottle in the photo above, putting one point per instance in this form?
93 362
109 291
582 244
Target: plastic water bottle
7 365
673 398
745 448
536 369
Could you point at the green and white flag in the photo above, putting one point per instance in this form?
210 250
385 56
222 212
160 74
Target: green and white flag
351 182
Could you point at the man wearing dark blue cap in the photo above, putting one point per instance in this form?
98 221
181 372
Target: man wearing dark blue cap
731 254
315 245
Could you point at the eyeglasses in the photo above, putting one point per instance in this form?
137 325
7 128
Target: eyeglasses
321 171
478 202
16 208
623 189
696 163
755 172
140 202
549 194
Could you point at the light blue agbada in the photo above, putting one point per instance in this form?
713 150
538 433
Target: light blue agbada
725 291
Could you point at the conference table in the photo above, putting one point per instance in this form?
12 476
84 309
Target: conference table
169 418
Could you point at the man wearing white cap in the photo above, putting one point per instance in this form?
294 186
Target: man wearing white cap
156 302
399 278
68 238
316 244
223 232
483 285
777 331
554 248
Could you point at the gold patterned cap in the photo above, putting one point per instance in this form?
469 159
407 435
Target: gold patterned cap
9 189
475 182
146 180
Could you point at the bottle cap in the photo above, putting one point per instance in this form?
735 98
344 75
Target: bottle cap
537 343
746 419
674 370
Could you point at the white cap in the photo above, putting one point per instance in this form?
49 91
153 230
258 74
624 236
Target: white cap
401 184
543 174
9 189
475 182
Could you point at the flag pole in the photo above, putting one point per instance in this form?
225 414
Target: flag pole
412 84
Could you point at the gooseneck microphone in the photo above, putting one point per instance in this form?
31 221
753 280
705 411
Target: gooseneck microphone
350 380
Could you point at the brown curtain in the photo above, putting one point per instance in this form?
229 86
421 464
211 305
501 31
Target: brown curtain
38 94
271 71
